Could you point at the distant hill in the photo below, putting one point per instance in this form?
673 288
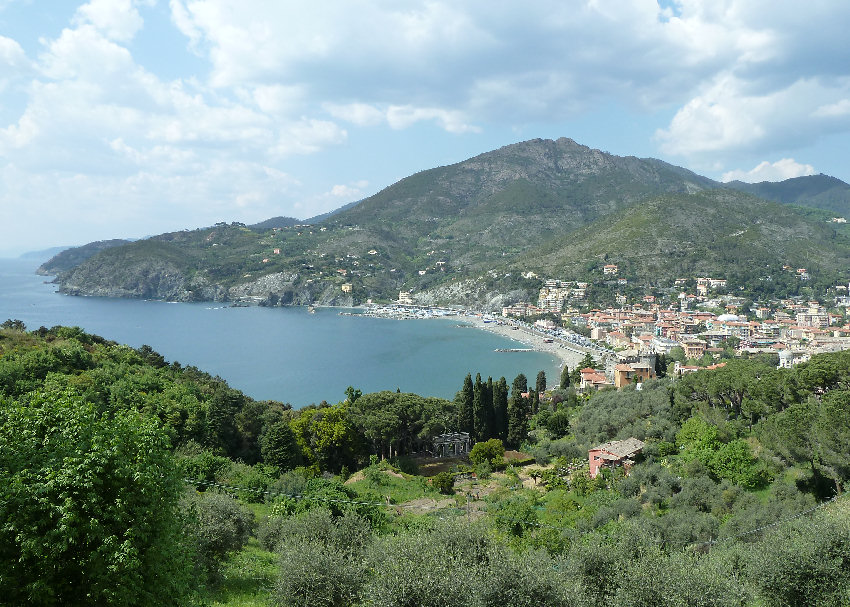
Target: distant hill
70 258
818 191
275 222
43 254
554 205
323 216
717 231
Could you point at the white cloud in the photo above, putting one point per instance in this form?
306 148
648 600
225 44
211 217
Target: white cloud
349 191
832 110
308 136
780 170
727 116
360 114
117 19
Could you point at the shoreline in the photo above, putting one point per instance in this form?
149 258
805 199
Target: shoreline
532 340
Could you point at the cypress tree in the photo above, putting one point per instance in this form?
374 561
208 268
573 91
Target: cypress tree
541 382
479 413
565 377
500 409
517 420
464 401
518 412
489 410
520 384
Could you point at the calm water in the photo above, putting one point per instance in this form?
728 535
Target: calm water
283 354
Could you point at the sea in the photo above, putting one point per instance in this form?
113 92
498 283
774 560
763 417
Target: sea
283 354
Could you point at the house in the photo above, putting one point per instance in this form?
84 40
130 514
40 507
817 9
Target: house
592 379
613 454
694 348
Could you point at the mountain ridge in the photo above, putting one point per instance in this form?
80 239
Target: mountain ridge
495 210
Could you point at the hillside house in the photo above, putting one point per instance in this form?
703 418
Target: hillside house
591 379
614 454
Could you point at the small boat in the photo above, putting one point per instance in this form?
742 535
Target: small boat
311 310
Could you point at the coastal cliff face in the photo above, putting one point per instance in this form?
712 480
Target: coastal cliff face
155 279
473 294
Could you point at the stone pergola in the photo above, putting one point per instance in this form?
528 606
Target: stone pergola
451 444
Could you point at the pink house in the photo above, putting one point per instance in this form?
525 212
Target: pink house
613 454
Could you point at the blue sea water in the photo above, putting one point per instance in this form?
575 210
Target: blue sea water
284 354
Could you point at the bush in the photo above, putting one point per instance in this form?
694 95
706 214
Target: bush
444 482
220 525
88 507
488 451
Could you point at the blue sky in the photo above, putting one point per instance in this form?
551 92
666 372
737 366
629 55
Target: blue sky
126 118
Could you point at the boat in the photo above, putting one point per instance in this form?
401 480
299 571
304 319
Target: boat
311 310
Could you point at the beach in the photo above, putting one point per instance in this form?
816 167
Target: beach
531 339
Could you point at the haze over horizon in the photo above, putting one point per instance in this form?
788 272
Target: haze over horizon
124 118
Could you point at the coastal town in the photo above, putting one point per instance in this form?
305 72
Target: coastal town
675 333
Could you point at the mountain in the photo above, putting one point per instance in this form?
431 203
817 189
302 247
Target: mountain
74 256
817 191
554 205
274 222
476 212
669 236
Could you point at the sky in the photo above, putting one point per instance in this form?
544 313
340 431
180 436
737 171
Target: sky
128 118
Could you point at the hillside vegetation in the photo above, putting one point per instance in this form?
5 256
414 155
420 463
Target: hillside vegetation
697 234
128 480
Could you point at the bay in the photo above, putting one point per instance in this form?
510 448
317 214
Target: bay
283 354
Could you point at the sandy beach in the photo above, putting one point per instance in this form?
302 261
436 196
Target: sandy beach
532 340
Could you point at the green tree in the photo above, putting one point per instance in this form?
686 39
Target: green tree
464 401
488 451
89 506
541 381
479 409
444 482
500 409
565 377
279 447
518 413
520 384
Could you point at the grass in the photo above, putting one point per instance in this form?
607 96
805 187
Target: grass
248 578
399 487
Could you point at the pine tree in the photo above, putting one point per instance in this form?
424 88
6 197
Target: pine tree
464 400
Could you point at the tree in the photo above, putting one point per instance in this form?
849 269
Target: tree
587 362
479 410
352 394
541 382
500 409
464 401
279 447
444 482
565 377
520 384
488 451
89 506
518 413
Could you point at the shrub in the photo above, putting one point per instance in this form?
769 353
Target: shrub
488 451
219 526
444 482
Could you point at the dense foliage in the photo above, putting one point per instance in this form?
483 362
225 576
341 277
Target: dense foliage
128 480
